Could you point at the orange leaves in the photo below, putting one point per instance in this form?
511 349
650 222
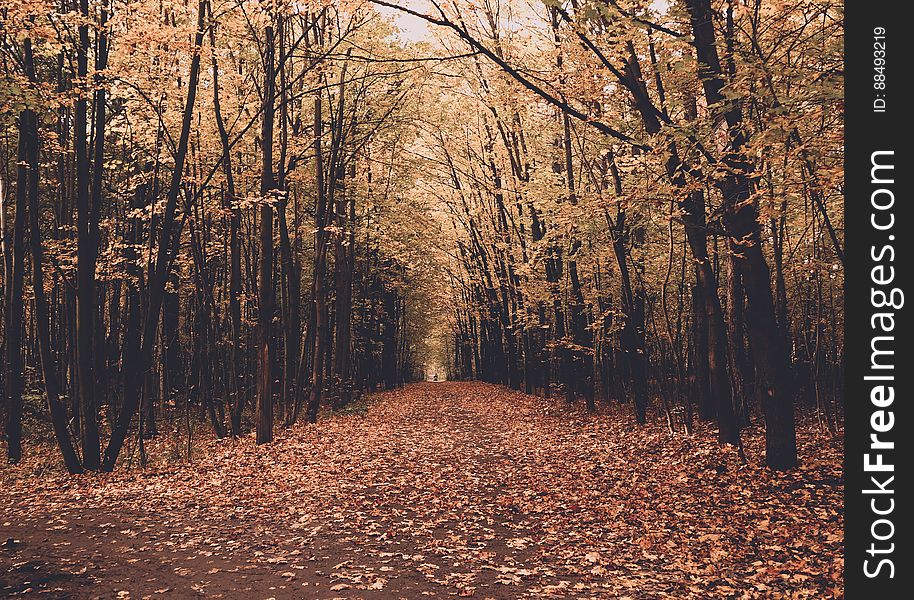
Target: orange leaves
460 489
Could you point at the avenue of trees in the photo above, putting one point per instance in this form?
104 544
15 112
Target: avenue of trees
230 214
195 198
647 207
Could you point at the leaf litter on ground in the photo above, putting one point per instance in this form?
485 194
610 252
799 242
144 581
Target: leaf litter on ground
449 489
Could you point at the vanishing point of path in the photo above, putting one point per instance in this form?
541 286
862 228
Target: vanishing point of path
438 490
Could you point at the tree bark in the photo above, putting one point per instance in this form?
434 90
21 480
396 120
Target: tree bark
42 319
229 199
319 294
772 363
264 416
86 257
13 293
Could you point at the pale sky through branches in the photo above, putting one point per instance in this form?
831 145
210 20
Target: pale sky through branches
414 29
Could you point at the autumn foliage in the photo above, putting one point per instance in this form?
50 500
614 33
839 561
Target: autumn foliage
230 220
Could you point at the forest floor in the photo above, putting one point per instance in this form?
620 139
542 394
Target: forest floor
437 490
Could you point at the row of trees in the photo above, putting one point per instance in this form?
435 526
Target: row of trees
647 206
197 202
241 211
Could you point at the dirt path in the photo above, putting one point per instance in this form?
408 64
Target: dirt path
440 490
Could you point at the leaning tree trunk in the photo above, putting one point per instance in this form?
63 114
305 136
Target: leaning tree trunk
692 204
163 254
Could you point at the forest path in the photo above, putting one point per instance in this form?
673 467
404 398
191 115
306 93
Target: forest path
438 490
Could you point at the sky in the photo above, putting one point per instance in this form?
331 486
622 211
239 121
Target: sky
414 29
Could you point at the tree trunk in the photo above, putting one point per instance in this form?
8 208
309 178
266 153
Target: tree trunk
265 281
772 364
701 353
319 294
235 372
42 319
345 257
13 281
86 256
163 253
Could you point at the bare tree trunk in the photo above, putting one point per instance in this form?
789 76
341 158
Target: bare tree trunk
345 262
13 281
29 131
235 373
319 294
86 256
265 280
772 364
